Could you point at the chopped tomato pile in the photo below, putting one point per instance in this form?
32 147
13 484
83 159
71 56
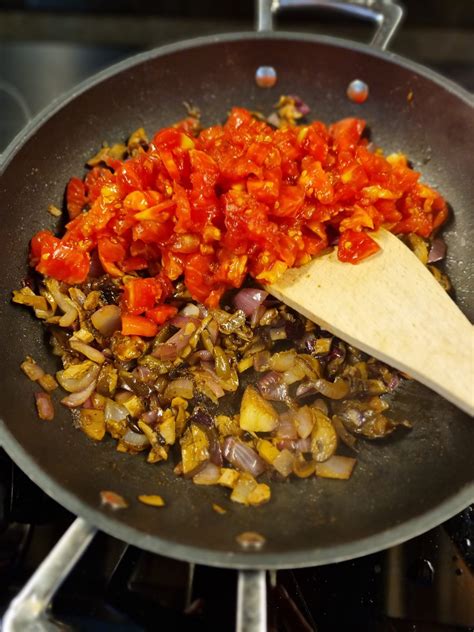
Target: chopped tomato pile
239 198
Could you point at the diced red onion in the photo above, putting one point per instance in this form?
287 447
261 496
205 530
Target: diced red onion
282 361
202 417
272 387
135 440
257 315
208 475
303 445
73 385
344 435
181 321
286 429
213 330
44 406
249 299
305 389
181 387
284 462
150 417
336 467
32 370
190 310
202 354
89 352
171 349
77 399
114 411
243 457
287 444
142 373
304 422
213 382
107 319
302 107
437 250
394 382
260 361
88 403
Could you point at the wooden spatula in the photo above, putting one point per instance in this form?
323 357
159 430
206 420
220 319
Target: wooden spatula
390 306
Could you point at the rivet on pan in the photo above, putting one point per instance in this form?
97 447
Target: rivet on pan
250 540
266 76
358 91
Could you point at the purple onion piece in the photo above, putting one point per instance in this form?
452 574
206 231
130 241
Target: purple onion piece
303 445
437 250
249 299
202 417
294 329
272 387
305 389
243 457
302 107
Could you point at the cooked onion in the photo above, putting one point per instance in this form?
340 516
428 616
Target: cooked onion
336 467
272 387
32 370
107 319
135 440
304 421
114 411
249 299
77 399
77 377
284 462
93 354
209 475
44 406
286 428
437 250
243 457
181 387
334 390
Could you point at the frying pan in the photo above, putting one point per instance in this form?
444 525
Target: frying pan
401 487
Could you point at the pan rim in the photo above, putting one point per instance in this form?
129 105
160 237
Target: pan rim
106 522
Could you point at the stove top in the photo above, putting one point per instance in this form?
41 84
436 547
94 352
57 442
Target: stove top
426 584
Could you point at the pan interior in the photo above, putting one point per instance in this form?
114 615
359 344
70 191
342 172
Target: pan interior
402 485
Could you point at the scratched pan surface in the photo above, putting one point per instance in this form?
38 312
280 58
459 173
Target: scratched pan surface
402 486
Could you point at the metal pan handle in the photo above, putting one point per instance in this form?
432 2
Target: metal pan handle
251 602
387 14
28 611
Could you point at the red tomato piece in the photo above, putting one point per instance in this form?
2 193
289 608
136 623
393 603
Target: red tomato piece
162 313
355 246
138 326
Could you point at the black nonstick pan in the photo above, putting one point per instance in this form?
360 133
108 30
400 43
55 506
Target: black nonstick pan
401 487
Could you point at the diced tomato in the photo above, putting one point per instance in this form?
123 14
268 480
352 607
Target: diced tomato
140 295
52 257
355 246
234 199
111 252
138 326
162 313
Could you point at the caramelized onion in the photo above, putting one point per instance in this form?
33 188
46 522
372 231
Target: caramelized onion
44 406
107 319
272 387
249 299
77 399
243 457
